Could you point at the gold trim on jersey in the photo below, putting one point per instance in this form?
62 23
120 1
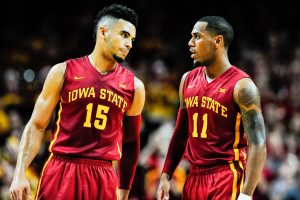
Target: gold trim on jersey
237 137
119 150
39 184
234 183
58 127
242 181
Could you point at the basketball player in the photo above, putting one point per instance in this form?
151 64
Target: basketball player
98 120
219 115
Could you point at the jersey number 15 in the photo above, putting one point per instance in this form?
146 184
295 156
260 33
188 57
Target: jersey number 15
100 119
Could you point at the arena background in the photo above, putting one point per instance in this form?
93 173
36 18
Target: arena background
37 35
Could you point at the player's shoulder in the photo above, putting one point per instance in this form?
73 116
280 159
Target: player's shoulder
242 78
138 84
245 83
245 87
59 68
192 73
182 81
185 75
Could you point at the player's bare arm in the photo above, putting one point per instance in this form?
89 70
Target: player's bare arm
139 99
34 130
247 97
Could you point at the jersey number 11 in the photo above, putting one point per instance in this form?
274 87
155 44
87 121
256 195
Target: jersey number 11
195 126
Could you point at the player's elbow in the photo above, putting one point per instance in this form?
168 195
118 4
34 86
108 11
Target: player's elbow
259 150
36 126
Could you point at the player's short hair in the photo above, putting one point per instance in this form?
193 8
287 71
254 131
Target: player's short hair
219 26
116 11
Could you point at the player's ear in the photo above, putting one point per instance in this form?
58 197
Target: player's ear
101 31
219 40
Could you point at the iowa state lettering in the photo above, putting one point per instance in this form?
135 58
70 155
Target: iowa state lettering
206 102
89 92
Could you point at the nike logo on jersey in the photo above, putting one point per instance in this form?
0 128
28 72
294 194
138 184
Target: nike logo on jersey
222 90
191 86
122 86
78 77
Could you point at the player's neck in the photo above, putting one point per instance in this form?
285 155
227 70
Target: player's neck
101 65
216 69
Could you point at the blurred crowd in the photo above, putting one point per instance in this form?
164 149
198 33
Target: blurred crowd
159 59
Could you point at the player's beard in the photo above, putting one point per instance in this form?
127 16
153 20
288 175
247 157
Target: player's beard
117 58
206 62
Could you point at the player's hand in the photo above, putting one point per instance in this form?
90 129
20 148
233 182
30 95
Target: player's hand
244 197
123 194
20 189
163 188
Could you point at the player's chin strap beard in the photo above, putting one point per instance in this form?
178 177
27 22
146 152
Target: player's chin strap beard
117 58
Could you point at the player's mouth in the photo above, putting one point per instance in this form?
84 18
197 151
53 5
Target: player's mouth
193 53
124 52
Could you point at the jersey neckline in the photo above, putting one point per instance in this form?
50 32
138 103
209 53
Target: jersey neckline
220 76
111 73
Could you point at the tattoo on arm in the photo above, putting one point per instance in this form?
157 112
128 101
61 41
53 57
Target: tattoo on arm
248 99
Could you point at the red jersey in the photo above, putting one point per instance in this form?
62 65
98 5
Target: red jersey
216 132
91 109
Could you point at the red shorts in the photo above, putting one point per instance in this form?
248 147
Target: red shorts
218 183
66 178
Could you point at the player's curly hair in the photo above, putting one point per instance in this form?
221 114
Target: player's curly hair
219 26
117 11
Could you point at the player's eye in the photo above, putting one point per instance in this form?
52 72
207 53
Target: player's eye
125 35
